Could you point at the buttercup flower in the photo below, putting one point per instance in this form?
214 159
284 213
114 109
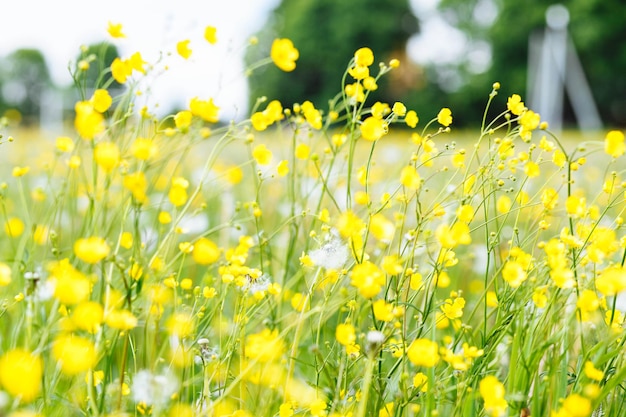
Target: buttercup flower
284 54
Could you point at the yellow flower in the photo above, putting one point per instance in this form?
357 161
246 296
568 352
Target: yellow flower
101 100
21 373
91 250
373 128
592 372
284 54
265 346
144 149
493 392
450 237
64 144
575 405
302 151
210 34
121 70
88 316
70 285
180 324
312 115
614 143
420 380
283 168
444 117
423 352
611 281
204 109
88 121
399 108
74 354
14 227
121 320
364 57
515 105
205 251
410 178
20 171
115 30
136 62
182 119
453 309
183 49
137 184
383 310
411 119
368 278
513 273
345 334
106 155
5 274
262 155
177 195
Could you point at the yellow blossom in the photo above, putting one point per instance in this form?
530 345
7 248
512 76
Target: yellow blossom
64 144
205 251
515 105
180 324
410 178
262 155
614 143
204 109
14 227
21 374
101 100
364 57
106 155
88 122
121 320
210 34
182 119
121 70
368 278
373 128
183 49
284 54
265 346
91 250
5 274
444 117
88 316
115 30
493 392
423 352
74 354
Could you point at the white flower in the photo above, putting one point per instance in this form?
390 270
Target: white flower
154 389
332 255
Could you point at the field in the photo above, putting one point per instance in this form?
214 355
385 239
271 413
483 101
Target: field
355 260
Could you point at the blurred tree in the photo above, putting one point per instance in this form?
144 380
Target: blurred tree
596 28
327 32
25 78
98 56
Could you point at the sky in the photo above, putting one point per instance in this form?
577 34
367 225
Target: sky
153 27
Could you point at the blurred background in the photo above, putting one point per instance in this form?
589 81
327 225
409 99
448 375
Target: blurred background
567 60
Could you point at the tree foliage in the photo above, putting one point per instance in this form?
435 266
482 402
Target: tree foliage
327 32
596 28
24 77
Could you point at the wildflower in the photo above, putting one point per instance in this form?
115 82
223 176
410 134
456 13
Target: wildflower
210 34
262 155
204 109
312 115
399 108
283 168
513 273
205 251
64 144
137 184
373 128
88 122
453 309
423 352
364 57
492 392
381 228
5 274
21 373
107 155
154 389
144 149
115 30
529 121
91 250
614 143
380 110
420 381
284 54
265 346
74 354
70 285
411 119
575 405
302 151
182 119
101 100
612 280
120 319
452 236
14 227
359 72
369 83
444 117
383 311
410 178
368 278
121 70
183 49
180 324
88 316
515 105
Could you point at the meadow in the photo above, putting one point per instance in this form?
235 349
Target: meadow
350 259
